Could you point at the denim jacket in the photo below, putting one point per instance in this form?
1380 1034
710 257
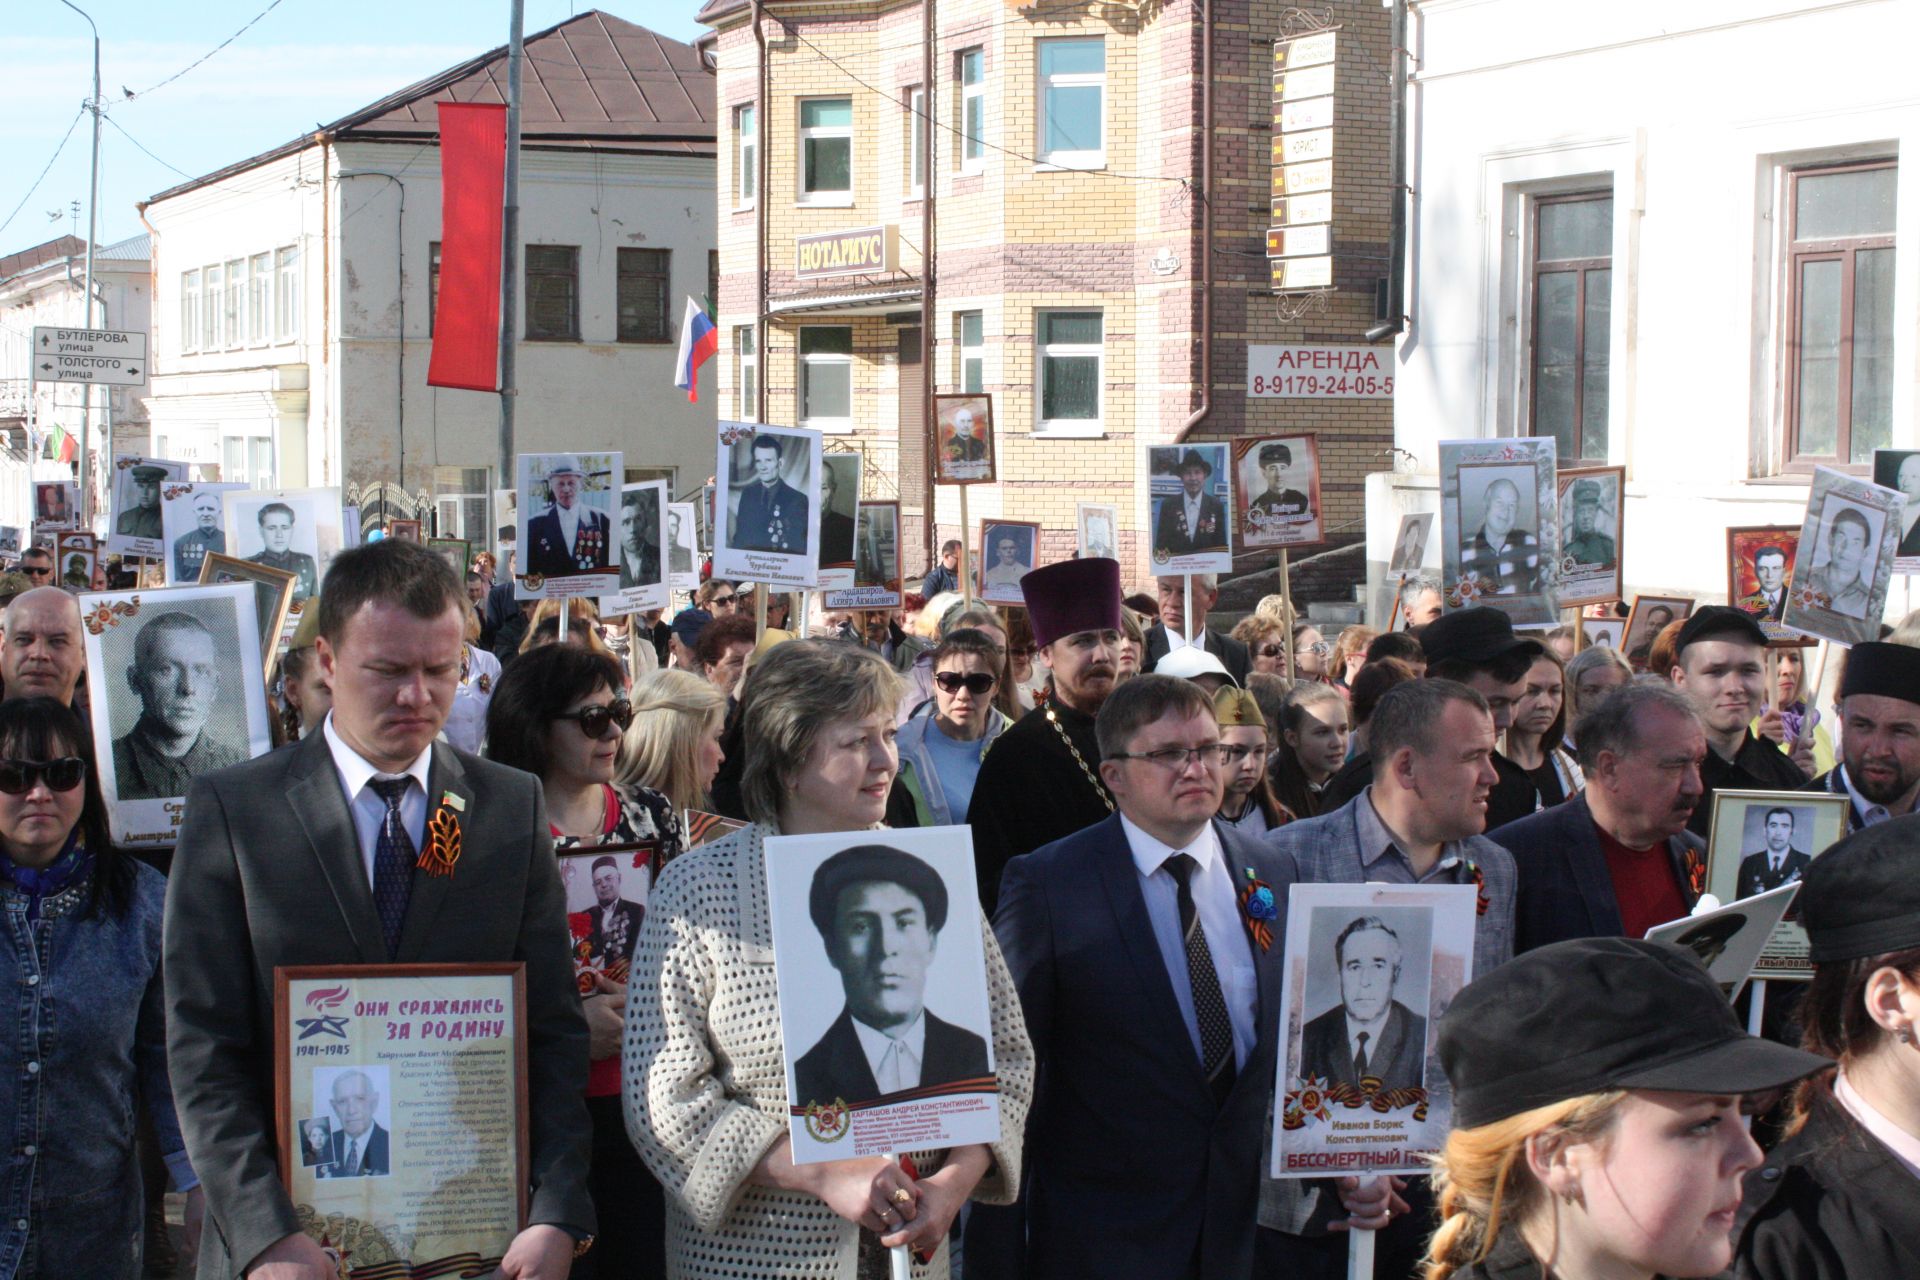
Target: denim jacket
87 1043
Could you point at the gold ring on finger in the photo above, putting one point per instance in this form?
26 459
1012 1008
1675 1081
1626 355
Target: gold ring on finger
902 1196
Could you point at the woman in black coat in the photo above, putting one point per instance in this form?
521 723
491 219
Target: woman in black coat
1840 1197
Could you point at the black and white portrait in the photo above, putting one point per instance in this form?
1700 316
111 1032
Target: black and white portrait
566 506
769 511
643 534
1096 524
1899 469
882 976
1729 940
359 1105
1849 539
1500 520
1773 855
1592 523
192 524
1500 532
1604 631
1372 1021
1007 553
876 561
1843 557
683 570
1762 842
10 540
134 527
316 1143
1277 486
839 495
297 531
1410 543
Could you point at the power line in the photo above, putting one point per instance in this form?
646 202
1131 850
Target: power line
136 142
203 57
43 173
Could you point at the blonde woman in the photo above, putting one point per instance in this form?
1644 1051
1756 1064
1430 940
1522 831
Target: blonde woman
673 744
1600 1094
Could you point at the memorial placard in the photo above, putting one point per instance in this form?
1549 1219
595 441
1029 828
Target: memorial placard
1762 840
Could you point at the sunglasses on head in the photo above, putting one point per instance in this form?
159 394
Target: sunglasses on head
17 777
976 683
595 721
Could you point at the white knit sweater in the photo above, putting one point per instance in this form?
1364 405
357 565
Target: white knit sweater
705 1082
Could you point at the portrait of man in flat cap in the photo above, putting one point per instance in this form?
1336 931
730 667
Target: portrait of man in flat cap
880 912
1193 520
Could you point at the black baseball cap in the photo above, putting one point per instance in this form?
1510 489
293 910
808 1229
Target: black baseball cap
1718 622
1860 898
1479 634
1595 1014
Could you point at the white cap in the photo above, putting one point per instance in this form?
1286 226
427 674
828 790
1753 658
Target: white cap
1187 663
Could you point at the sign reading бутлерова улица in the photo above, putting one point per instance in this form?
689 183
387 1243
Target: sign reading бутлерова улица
114 357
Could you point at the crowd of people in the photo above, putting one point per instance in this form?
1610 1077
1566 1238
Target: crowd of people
1120 766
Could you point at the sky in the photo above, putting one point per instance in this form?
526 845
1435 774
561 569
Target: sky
305 62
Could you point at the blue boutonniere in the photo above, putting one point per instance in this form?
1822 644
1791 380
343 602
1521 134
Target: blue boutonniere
1258 905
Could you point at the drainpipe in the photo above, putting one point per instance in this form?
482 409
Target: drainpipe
1396 321
762 130
928 383
1200 414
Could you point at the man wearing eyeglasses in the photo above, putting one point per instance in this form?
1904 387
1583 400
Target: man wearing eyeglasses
40 646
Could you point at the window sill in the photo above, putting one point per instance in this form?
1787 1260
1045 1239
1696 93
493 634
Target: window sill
829 426
550 339
1070 163
837 200
1089 430
643 342
744 208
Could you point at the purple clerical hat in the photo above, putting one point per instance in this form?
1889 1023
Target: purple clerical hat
1072 596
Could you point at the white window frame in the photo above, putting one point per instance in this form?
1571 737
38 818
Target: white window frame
916 143
973 97
829 426
234 307
1069 428
189 313
213 289
1084 159
746 366
964 352
259 299
286 294
746 153
824 199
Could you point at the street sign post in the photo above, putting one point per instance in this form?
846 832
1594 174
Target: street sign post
108 357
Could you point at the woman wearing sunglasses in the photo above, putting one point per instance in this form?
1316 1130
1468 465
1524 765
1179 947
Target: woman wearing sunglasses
559 713
88 1027
941 747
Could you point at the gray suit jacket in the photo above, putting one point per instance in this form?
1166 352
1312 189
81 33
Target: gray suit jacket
268 872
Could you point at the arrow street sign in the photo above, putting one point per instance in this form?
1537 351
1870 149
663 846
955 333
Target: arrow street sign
111 357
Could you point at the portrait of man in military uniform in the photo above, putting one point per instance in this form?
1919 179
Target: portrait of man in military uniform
175 676
136 497
568 536
1587 544
277 521
204 539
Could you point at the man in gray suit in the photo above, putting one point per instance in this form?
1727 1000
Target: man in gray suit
307 856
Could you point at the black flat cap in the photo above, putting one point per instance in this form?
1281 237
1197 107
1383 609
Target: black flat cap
1861 897
869 862
1718 622
1595 1014
1479 634
1888 670
1276 453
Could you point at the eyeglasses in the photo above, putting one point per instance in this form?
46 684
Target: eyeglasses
595 721
1268 651
1322 648
977 683
36 570
723 602
1177 758
17 777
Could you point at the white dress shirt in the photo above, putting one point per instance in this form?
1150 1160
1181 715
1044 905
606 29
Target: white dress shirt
895 1059
569 524
1905 1147
1219 913
1191 506
1176 640
368 809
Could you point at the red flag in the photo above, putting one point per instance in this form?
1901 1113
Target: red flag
473 175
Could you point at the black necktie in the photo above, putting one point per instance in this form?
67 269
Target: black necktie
393 858
1209 1005
1360 1056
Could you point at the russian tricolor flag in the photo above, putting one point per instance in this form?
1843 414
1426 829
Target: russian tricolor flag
699 343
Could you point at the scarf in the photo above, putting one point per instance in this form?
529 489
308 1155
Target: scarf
40 883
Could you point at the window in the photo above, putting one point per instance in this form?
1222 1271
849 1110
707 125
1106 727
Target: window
233 309
745 378
259 297
433 284
460 505
826 151
916 144
973 110
213 333
972 350
1070 374
643 295
247 460
286 294
826 377
553 293
1572 321
189 312
1073 92
1840 307
746 152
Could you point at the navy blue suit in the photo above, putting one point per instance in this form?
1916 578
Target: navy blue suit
1133 1168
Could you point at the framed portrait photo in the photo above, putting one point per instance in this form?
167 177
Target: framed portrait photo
75 557
876 560
1410 543
12 540
1899 470
1649 617
1593 520
1730 939
565 512
1189 501
1759 567
273 597
1848 542
177 688
383 1103
1097 531
404 530
1009 550
823 892
683 552
606 887
1500 532
767 512
1762 840
1414 948
193 526
839 507
1277 491
1603 631
134 526
963 426
641 554
457 552
56 504
296 530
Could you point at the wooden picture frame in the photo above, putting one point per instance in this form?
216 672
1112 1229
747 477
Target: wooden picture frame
952 465
1642 628
405 530
1745 590
1004 586
273 596
1585 580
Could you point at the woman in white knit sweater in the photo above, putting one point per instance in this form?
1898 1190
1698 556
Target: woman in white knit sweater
704 1076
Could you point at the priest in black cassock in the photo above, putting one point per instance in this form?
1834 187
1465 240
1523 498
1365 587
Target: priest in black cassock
1041 778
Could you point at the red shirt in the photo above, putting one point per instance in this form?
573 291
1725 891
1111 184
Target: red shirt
1644 883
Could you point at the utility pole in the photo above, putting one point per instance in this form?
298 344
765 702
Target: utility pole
510 250
93 209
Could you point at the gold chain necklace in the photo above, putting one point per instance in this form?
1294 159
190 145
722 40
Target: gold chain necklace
1080 760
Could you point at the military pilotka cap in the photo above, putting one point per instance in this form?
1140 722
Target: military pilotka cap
1861 898
1594 1014
1480 634
1718 622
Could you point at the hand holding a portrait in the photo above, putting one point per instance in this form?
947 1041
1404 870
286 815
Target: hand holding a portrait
293 1257
1370 1202
541 1252
854 1189
605 1007
941 1193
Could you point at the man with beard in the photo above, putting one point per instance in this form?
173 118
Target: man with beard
176 676
1844 582
639 529
1505 559
1879 771
1770 572
141 519
1720 665
836 526
1037 783
206 537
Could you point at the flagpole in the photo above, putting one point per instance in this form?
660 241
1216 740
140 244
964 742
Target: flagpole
510 245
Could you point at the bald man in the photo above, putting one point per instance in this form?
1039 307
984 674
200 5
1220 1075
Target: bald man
40 650
1504 558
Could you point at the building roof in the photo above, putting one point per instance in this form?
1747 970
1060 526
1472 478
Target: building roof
593 81
133 249
27 259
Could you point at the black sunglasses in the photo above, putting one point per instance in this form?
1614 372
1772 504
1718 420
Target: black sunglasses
1268 651
977 684
17 777
595 721
36 570
720 600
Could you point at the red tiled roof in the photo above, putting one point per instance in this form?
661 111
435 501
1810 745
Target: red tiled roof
27 259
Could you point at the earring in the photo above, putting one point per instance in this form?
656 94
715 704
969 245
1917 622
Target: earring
1904 1035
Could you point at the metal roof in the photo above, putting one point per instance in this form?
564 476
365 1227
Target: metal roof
27 259
593 81
132 249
